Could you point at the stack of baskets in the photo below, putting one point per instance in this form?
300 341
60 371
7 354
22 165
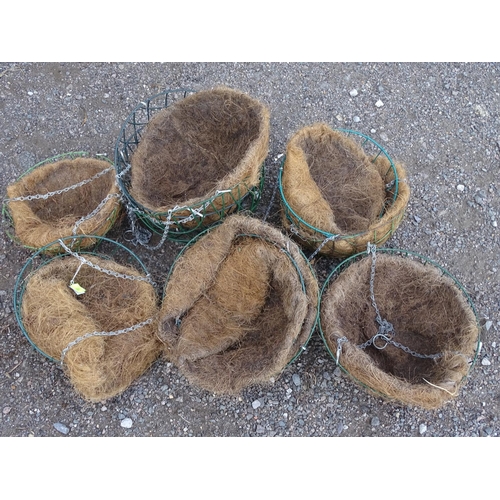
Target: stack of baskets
241 301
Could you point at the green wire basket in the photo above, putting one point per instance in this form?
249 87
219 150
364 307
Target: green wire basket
334 340
180 223
338 245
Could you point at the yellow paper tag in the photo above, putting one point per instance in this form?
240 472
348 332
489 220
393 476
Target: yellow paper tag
79 290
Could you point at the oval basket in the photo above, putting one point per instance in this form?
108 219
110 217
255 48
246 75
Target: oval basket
399 325
238 306
187 159
65 195
93 311
340 190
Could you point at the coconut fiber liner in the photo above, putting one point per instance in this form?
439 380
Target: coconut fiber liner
430 316
53 316
238 307
38 222
333 185
209 141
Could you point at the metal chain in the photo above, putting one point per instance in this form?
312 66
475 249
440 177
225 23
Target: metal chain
386 330
109 272
94 212
333 237
102 334
60 191
139 237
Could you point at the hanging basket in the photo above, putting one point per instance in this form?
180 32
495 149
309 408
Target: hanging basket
65 195
340 190
399 325
239 305
187 159
94 312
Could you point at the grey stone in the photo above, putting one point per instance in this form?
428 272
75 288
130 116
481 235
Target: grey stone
63 429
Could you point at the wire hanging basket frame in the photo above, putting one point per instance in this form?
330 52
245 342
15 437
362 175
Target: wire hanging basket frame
101 230
181 223
200 235
317 237
104 248
335 351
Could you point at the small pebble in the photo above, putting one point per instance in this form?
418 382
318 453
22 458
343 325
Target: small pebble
6 410
353 93
488 325
356 119
126 423
375 422
61 428
296 379
486 362
461 188
379 104
256 404
422 429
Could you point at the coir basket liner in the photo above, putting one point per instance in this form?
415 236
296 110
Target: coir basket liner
105 337
413 339
198 158
239 305
65 195
340 190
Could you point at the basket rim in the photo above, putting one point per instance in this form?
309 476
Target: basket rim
404 253
22 279
327 234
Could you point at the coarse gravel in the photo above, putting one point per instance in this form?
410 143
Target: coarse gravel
440 119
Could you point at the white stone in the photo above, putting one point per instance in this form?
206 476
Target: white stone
486 362
353 93
256 404
461 188
126 423
379 104
422 429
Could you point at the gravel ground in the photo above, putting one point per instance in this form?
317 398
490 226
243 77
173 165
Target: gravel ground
440 119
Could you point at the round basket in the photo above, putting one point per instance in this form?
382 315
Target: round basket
187 159
238 306
399 325
68 194
94 312
340 190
